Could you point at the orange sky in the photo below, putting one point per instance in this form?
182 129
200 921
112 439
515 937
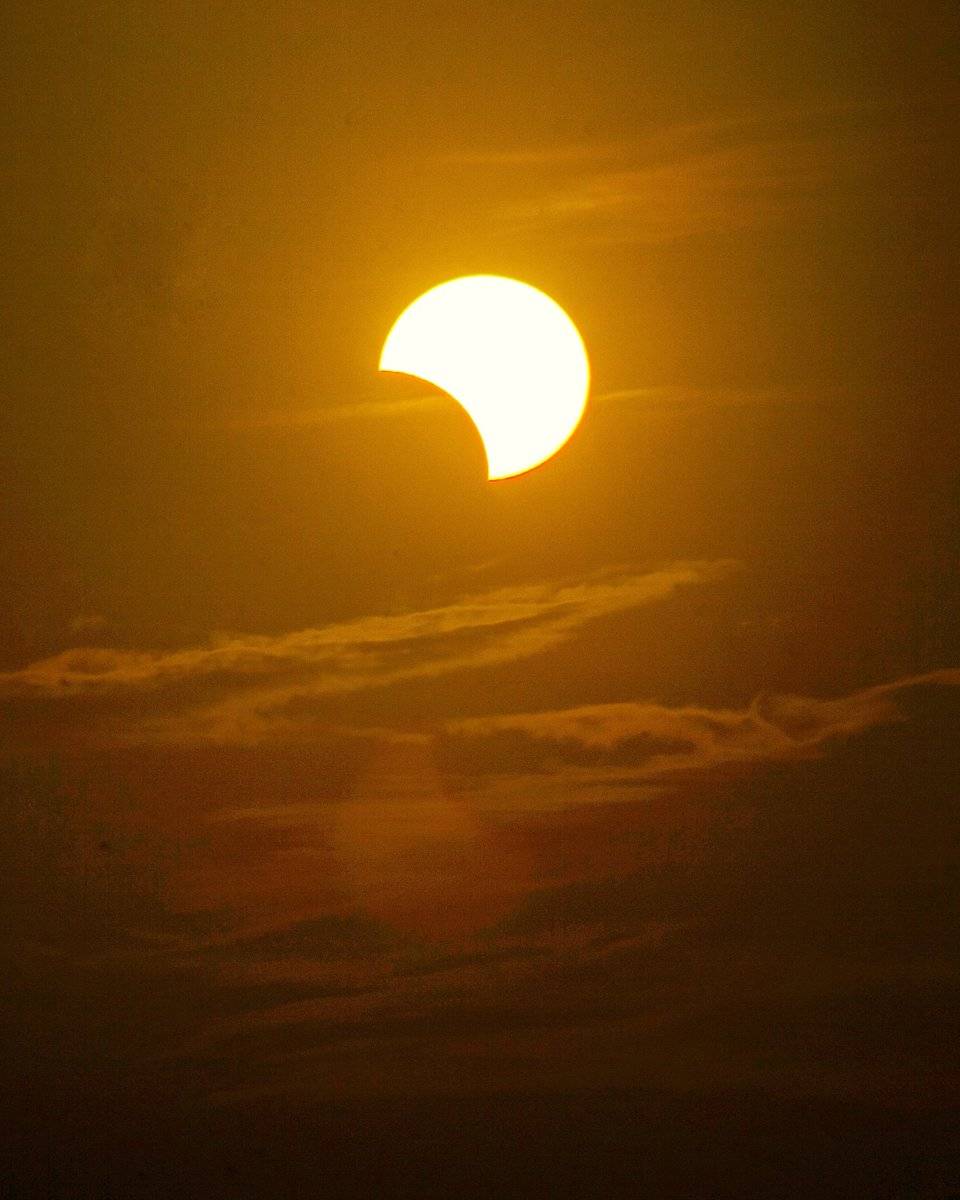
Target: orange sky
347 792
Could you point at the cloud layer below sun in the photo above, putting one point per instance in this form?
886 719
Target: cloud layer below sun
247 681
512 896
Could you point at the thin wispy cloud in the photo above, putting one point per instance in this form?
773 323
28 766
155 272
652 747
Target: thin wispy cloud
661 397
703 191
252 676
532 156
686 399
331 414
410 931
605 752
668 139
632 926
734 172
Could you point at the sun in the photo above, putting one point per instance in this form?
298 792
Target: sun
508 354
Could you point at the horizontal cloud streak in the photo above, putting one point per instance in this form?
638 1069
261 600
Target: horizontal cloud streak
612 747
711 906
709 177
329 414
255 674
375 410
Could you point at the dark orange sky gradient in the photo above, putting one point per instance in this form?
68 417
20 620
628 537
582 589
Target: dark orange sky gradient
373 830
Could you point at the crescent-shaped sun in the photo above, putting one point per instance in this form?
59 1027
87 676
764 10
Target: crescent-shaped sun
508 354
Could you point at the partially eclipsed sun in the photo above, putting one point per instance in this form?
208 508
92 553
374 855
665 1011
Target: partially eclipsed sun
508 354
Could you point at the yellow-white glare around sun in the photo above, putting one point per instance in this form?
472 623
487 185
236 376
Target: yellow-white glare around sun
508 354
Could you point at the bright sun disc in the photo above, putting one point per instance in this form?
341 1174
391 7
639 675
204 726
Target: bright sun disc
508 354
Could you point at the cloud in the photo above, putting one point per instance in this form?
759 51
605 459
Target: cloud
609 750
693 399
782 928
282 418
252 676
733 172
787 926
533 156
447 833
704 192
671 398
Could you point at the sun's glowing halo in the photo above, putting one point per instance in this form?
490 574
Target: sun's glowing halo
508 354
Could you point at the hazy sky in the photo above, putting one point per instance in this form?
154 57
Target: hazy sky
332 774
